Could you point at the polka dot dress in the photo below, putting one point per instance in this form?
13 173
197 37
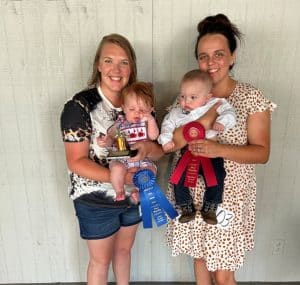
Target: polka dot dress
223 246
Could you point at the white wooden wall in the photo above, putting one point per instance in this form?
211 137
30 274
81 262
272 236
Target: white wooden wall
46 52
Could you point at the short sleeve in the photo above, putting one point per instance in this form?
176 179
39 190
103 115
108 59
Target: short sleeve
75 123
258 103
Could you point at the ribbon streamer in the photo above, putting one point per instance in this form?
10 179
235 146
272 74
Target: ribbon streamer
152 199
193 131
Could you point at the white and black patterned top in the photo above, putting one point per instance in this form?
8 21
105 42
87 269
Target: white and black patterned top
86 116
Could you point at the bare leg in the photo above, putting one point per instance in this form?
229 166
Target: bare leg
152 168
117 176
122 254
202 275
224 277
100 253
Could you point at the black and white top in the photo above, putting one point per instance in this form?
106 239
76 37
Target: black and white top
86 116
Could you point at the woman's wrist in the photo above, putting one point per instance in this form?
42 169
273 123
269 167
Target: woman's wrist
154 150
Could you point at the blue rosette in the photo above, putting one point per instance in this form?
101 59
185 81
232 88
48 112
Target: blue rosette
153 201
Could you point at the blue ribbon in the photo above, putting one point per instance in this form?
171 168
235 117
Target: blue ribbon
152 199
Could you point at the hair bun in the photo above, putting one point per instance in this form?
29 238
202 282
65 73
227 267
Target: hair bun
218 24
213 23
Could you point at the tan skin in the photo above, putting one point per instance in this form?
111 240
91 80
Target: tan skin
115 71
215 57
258 125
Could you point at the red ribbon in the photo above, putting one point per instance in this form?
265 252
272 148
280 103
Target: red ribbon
192 131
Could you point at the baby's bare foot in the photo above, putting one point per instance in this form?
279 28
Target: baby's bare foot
120 196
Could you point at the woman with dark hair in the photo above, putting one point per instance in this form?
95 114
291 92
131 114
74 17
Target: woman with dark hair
108 226
219 250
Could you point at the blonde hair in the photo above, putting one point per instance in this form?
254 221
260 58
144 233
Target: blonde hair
122 42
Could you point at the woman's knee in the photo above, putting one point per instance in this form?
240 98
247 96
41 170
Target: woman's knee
123 251
199 261
99 263
224 277
98 257
124 247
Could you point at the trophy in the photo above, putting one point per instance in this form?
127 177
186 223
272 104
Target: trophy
121 148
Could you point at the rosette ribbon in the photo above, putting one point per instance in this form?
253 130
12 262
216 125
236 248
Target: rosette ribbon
153 201
191 163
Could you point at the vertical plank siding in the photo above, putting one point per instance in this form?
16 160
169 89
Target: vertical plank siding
46 53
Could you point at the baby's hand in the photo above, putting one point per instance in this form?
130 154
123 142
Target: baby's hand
218 127
168 146
103 141
147 116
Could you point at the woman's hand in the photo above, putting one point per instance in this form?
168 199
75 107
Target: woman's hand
149 149
205 148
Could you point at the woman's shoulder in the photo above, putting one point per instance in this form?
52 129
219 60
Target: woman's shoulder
87 98
245 92
253 97
76 112
84 101
247 87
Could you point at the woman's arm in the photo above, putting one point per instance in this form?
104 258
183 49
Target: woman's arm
206 120
79 162
256 151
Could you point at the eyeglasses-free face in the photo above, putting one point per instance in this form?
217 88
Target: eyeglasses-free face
193 94
215 57
115 69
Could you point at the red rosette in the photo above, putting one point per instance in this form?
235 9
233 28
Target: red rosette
190 163
193 131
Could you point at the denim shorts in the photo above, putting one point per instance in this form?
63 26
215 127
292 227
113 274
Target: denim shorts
102 222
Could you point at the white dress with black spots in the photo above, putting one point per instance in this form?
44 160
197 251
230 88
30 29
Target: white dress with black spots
225 248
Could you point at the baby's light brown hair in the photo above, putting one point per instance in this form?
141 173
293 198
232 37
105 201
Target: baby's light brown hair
197 74
142 90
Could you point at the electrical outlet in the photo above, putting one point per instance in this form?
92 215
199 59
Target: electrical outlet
277 246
